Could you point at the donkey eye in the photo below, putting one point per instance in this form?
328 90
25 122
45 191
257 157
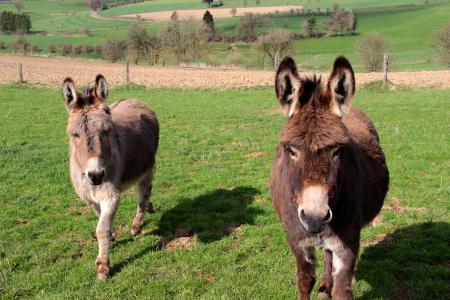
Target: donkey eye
292 152
336 153
75 135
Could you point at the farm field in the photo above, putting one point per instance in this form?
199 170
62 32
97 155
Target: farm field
409 30
161 5
50 72
215 233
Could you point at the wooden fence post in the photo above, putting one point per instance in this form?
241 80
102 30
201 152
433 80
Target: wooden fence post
128 72
385 69
277 60
20 73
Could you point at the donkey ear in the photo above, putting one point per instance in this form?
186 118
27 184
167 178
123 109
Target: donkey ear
101 88
287 86
69 93
341 85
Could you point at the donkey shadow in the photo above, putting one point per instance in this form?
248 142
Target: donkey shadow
411 263
210 216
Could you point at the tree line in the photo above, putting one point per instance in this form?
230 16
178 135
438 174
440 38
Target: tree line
14 22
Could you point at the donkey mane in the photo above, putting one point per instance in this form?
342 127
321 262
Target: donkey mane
314 127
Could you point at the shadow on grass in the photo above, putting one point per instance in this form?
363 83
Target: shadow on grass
411 263
210 216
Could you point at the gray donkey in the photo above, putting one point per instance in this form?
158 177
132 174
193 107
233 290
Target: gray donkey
111 148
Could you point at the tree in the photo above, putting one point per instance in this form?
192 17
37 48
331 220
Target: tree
371 49
274 41
341 21
209 2
174 17
138 43
11 22
113 49
310 27
442 44
208 22
18 4
233 11
94 5
246 30
20 45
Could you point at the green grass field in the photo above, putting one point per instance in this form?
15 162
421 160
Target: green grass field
159 5
207 180
409 29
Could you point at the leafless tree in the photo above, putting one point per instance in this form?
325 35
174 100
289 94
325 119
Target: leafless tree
274 41
18 4
138 42
246 30
113 49
370 50
442 44
20 45
341 21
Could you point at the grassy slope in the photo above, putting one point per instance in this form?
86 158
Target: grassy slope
409 30
159 5
204 182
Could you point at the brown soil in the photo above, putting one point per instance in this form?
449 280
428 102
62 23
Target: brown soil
185 14
52 71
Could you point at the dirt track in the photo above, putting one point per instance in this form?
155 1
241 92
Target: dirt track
52 71
216 12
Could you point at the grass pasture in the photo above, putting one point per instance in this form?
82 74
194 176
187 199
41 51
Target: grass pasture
214 160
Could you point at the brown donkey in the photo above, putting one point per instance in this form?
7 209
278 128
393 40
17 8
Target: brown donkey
110 149
329 177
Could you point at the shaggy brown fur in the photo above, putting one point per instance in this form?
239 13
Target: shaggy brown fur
329 176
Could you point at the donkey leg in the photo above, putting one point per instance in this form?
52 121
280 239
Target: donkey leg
144 204
104 227
306 275
343 272
96 209
326 283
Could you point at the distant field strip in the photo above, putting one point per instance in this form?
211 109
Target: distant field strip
216 12
52 71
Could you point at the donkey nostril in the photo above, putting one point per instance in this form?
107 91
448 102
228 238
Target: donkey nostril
302 214
96 177
328 217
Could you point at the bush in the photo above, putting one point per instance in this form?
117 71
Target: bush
35 48
98 49
86 49
87 31
65 49
113 49
341 22
246 30
20 45
77 49
274 41
442 44
371 49
52 48
3 45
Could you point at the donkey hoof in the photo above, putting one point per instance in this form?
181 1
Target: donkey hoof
135 230
323 295
324 292
102 268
